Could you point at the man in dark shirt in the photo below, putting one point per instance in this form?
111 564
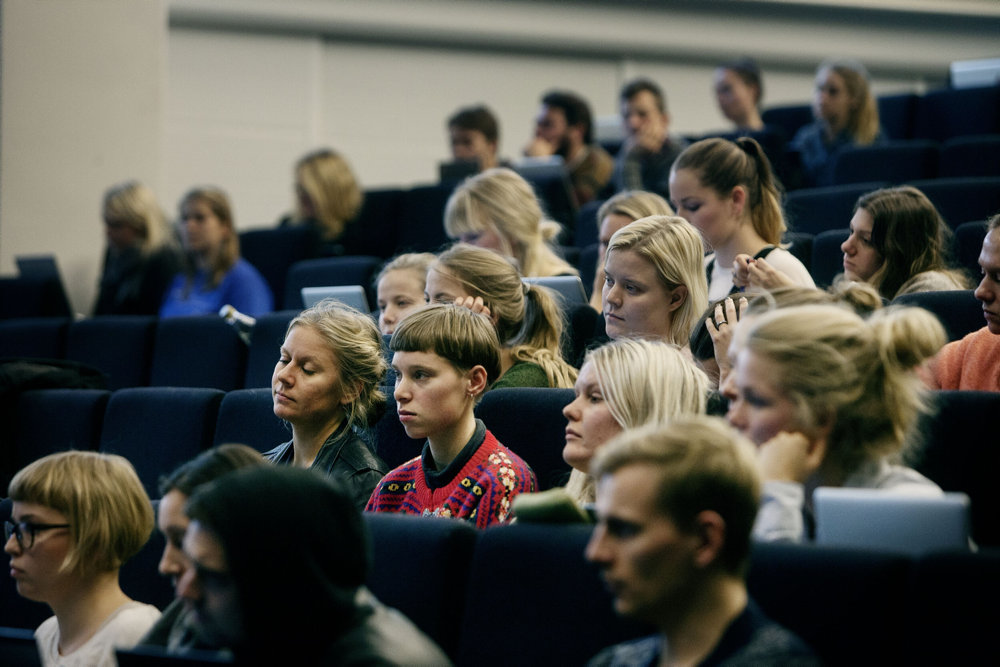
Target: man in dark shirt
644 161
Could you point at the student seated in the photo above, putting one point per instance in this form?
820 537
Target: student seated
76 518
445 356
399 288
675 507
175 630
279 559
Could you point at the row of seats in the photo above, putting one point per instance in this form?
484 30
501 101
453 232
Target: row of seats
157 428
524 595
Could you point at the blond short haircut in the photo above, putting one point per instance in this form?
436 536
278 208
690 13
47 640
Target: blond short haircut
634 204
456 334
356 343
675 249
528 318
134 204
704 465
109 514
855 376
225 257
327 178
501 201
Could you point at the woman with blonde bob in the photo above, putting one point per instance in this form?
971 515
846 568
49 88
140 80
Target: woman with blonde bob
327 194
527 317
830 399
141 257
622 209
214 273
498 210
623 385
846 115
76 518
654 284
326 385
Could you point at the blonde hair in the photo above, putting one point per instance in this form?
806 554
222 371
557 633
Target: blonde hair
721 164
863 123
456 334
134 204
417 262
528 318
327 179
356 343
853 375
634 204
227 255
642 382
500 201
704 465
110 516
675 250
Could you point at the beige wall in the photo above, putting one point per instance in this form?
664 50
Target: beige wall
231 92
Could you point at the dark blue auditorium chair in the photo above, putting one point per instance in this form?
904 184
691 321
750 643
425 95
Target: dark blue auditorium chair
199 351
119 345
272 251
959 200
815 210
586 263
959 451
895 114
788 118
420 566
959 311
266 339
529 421
827 257
421 222
246 416
158 428
38 337
585 232
139 578
968 244
391 442
977 155
56 420
897 162
326 271
375 230
847 604
534 600
954 112
800 245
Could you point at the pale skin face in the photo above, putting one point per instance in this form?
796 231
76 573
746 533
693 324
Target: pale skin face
203 232
590 422
399 293
488 238
172 522
861 259
306 384
635 301
757 407
831 102
737 100
37 569
988 290
208 590
645 125
646 561
472 145
716 218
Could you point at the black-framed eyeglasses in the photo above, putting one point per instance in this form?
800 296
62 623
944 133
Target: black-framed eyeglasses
25 531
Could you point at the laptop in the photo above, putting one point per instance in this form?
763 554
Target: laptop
877 519
18 647
351 295
569 289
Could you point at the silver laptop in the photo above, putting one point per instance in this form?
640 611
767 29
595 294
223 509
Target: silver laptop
886 520
351 295
568 288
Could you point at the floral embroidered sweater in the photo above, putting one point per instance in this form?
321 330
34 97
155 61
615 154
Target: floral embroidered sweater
479 485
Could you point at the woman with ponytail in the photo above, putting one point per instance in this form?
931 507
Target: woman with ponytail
727 191
527 317
830 399
498 210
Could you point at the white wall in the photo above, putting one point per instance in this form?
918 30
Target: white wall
231 92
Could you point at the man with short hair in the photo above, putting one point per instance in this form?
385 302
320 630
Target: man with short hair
564 127
973 363
278 560
644 161
474 134
675 509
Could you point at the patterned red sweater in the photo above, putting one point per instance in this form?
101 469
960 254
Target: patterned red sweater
479 485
